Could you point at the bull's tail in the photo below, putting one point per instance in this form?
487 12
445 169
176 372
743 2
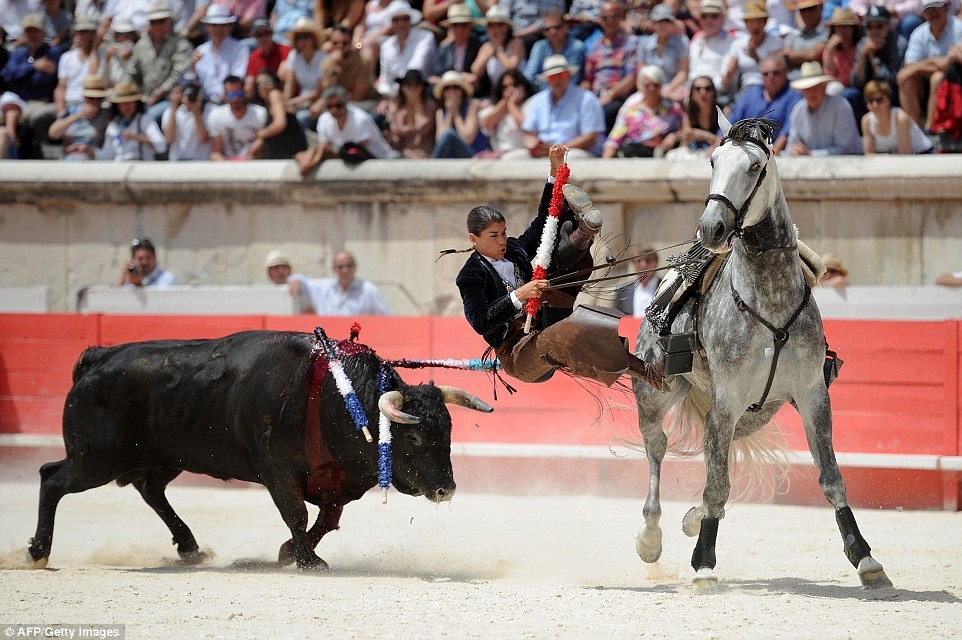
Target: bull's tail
87 359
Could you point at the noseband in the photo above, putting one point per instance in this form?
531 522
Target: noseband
740 213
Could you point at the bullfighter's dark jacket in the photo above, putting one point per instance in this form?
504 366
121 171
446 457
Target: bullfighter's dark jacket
487 302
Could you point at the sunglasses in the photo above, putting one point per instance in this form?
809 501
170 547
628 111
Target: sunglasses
876 100
233 95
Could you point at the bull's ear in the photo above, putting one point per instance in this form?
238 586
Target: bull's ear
390 404
723 122
460 397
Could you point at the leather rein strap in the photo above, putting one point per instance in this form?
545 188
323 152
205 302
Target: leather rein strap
779 336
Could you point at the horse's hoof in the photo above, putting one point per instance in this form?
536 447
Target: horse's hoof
691 523
192 557
648 544
872 575
705 579
285 556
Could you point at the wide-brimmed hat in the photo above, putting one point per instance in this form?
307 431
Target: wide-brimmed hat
832 261
458 14
755 9
811 76
842 17
404 9
159 10
553 65
499 13
32 21
713 6
126 92
308 26
661 13
94 86
122 26
84 24
805 4
452 79
277 258
877 13
218 14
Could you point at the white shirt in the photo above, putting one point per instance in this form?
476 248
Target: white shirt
507 134
705 56
237 134
133 11
418 53
746 67
73 69
12 13
186 146
361 298
643 295
217 64
306 72
117 149
359 128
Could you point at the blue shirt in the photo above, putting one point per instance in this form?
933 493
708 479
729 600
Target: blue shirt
923 45
675 49
27 82
574 52
830 130
753 104
578 112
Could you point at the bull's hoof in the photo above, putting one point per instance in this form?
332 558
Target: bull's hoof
313 564
193 557
648 544
285 556
36 563
705 579
872 575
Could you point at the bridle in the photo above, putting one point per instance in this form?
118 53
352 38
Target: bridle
740 213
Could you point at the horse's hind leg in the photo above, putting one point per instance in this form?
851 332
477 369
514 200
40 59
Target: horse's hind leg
648 542
816 412
151 487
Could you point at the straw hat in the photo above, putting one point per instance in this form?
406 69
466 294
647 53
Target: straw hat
277 258
84 24
126 92
305 25
811 76
458 14
842 17
553 65
805 4
159 10
499 13
452 79
94 87
755 9
713 6
32 21
832 261
218 14
122 26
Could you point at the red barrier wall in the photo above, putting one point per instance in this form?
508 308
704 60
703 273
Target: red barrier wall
898 393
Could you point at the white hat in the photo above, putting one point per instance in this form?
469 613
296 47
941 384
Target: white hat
458 14
276 258
498 13
10 99
556 64
159 10
452 78
122 26
404 10
218 14
713 6
812 75
928 4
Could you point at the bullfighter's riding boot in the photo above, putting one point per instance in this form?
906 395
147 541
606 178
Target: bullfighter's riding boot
588 217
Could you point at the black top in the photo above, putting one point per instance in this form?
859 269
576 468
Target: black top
285 144
487 302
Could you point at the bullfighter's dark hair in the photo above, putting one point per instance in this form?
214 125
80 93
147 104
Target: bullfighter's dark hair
482 217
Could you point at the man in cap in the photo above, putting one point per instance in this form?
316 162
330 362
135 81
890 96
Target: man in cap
221 56
932 48
773 98
878 54
31 73
557 41
460 49
82 130
808 44
612 62
246 11
74 65
268 54
159 59
741 65
279 271
564 113
709 46
408 48
12 13
821 124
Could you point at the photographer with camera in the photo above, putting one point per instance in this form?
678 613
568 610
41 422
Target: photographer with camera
142 269
183 122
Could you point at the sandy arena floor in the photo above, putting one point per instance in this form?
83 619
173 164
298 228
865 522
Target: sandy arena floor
482 566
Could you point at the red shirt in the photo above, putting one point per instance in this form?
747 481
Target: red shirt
259 61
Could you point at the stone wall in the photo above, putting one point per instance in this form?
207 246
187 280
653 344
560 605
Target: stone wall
894 220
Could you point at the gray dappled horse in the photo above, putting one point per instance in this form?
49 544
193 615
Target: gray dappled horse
758 299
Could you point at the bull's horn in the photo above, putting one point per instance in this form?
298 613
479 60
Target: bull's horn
453 395
390 405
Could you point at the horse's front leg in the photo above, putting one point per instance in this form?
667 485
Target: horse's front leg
719 430
816 411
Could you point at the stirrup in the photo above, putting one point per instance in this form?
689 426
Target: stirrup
679 352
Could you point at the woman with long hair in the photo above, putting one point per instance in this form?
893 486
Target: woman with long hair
411 117
282 135
699 128
458 133
888 129
501 120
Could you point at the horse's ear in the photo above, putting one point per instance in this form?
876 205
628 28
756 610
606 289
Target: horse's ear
723 122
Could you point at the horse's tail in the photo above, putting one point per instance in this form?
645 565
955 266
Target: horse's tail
759 464
685 422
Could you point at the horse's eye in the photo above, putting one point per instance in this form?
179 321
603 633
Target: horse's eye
756 167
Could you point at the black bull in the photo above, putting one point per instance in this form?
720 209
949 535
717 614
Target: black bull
259 406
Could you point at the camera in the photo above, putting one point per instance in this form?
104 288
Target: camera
132 268
191 93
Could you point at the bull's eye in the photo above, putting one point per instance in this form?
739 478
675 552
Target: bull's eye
756 167
414 438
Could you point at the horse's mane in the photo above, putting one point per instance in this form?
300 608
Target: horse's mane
757 130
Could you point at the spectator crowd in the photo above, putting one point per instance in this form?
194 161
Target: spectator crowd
224 80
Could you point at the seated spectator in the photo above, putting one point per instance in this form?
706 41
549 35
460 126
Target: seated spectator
888 129
344 131
233 126
408 48
31 73
502 51
344 294
557 41
585 19
246 12
187 15
564 113
11 110
82 132
458 132
808 44
931 48
878 56
184 123
133 12
282 136
749 49
279 271
350 68
460 49
821 124
268 54
835 272
12 14
838 58
612 62
57 23
301 72
376 26
645 120
905 15
131 134
118 56
142 269
528 15
221 56
699 128
159 59
774 100
950 279
709 46
411 118
501 120
667 49
77 63
285 15
633 298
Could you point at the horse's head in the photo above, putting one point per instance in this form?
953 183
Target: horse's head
739 167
